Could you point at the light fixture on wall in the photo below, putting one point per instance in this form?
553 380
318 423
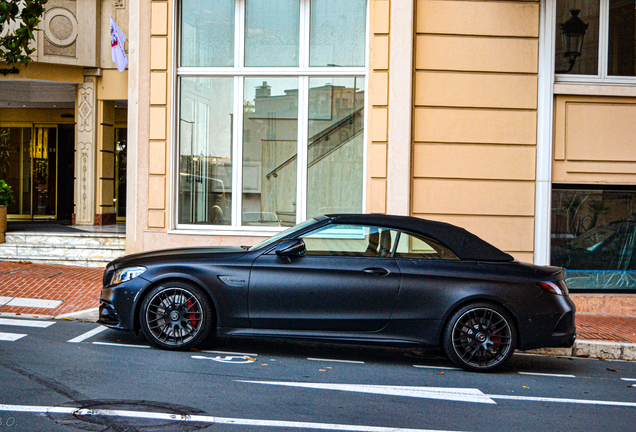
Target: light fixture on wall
572 33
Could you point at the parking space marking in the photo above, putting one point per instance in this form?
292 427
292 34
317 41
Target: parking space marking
121 345
437 367
88 334
229 353
25 323
236 359
11 337
628 379
337 361
547 374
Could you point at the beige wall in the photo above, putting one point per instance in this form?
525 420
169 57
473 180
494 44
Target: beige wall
378 102
475 118
594 139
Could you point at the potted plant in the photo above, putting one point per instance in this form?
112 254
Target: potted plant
6 199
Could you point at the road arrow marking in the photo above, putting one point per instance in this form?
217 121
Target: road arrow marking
443 393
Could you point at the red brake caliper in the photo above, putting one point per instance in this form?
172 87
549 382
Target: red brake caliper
191 316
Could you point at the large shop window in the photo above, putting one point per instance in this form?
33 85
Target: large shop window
608 50
271 109
594 237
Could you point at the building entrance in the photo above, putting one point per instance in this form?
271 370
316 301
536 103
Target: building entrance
30 162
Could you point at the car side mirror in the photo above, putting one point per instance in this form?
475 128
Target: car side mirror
288 248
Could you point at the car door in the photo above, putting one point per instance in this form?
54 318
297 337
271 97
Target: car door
345 281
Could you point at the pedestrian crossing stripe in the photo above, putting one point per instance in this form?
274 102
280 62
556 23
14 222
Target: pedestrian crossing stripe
11 337
25 323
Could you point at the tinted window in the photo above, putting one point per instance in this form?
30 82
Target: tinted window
419 247
350 240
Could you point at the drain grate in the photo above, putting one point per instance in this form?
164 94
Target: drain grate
601 336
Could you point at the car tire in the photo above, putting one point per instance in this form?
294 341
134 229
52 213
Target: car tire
480 337
176 315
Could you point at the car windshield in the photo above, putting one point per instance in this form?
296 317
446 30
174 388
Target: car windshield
273 239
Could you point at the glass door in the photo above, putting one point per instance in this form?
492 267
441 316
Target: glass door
120 172
28 162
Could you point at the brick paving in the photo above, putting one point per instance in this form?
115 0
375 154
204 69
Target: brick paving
79 287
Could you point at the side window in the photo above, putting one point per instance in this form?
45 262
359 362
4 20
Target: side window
419 247
350 240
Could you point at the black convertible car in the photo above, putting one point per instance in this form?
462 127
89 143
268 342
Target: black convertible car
358 278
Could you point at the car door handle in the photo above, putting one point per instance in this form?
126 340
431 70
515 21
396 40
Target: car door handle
377 271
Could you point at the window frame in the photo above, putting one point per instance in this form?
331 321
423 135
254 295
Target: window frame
239 72
602 76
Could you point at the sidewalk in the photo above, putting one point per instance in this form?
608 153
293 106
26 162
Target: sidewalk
73 292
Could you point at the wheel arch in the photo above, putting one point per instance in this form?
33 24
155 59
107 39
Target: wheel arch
173 278
479 299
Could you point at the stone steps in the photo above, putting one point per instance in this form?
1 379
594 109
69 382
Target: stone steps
85 249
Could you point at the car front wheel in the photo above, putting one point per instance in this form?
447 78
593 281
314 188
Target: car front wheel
480 337
176 315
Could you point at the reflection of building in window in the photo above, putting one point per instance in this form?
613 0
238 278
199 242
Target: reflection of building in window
594 237
336 115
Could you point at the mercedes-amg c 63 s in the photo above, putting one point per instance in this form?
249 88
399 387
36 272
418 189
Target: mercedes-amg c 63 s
357 278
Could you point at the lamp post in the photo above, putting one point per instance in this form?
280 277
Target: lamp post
572 33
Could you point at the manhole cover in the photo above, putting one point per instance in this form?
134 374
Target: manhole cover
94 416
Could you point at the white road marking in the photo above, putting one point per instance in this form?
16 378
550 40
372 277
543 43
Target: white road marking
337 361
205 419
443 393
25 323
11 337
230 353
628 379
241 359
564 400
453 394
34 303
88 334
547 374
436 367
121 345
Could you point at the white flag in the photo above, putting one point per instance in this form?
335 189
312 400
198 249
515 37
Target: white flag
117 39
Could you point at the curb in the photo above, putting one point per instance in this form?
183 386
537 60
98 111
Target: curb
90 315
603 350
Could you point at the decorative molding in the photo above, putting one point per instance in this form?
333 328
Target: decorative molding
85 154
60 27
120 4
85 109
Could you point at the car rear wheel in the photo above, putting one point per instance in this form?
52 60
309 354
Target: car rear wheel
176 315
480 337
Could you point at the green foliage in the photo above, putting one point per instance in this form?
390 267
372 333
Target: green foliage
6 194
14 47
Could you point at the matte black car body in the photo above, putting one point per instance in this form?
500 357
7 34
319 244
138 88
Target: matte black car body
409 301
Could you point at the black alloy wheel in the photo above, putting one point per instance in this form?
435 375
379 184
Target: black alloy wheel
176 315
480 337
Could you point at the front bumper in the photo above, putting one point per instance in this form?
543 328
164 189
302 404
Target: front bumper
118 304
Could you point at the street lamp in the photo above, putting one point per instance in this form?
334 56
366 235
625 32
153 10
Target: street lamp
572 32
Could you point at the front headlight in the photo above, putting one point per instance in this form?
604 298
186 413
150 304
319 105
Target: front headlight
126 274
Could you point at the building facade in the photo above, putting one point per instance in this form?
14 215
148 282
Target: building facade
63 118
247 116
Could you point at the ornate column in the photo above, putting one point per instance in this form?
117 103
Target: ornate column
85 153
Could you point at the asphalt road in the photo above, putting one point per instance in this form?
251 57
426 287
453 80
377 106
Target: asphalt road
66 375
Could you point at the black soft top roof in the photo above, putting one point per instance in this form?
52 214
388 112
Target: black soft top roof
464 244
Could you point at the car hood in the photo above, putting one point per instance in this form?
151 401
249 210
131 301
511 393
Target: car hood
181 254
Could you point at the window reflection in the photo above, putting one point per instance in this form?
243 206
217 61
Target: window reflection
587 63
594 237
335 145
205 151
207 33
622 38
272 29
270 137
